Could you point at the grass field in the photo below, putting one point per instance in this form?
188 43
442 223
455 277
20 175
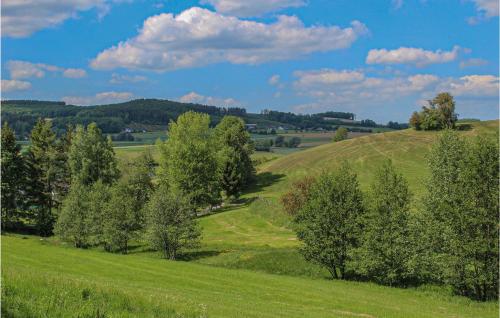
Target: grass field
43 280
248 264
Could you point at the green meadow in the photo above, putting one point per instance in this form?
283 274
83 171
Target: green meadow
248 264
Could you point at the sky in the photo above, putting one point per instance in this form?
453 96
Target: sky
381 59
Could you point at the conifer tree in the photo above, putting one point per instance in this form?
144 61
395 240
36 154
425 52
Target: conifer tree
12 179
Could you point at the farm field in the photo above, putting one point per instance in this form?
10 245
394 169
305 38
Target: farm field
248 264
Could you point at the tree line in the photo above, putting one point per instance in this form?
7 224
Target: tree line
451 238
74 187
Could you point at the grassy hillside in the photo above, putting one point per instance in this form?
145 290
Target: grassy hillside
248 264
46 280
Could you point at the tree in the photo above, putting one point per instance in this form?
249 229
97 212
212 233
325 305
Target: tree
461 208
171 226
330 222
385 254
293 142
438 114
138 177
235 148
122 221
99 195
295 199
340 134
188 160
43 158
446 108
416 121
12 178
73 221
279 141
91 156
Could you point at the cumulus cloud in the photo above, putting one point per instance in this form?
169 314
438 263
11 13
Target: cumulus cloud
409 55
485 9
333 88
14 85
349 88
120 79
473 86
254 8
196 98
99 98
21 18
198 37
23 69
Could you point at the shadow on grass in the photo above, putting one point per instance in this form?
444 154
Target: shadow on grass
263 180
196 255
464 127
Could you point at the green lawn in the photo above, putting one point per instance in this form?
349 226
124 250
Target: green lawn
45 280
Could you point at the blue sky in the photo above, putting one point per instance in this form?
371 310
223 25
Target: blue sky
379 59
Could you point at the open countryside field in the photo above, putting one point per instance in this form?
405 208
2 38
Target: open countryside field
248 264
83 283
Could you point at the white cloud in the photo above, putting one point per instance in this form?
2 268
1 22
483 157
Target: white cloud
100 98
14 85
119 79
253 8
350 88
473 86
327 76
274 80
325 92
74 73
196 98
409 55
23 69
473 62
21 18
485 9
198 37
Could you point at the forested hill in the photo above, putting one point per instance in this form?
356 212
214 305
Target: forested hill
154 114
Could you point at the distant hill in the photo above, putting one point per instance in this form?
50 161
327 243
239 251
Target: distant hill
155 114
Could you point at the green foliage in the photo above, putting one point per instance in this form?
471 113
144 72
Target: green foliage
330 222
122 221
13 173
293 142
440 114
138 175
43 157
91 156
234 150
171 226
340 134
386 251
461 206
73 222
188 162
